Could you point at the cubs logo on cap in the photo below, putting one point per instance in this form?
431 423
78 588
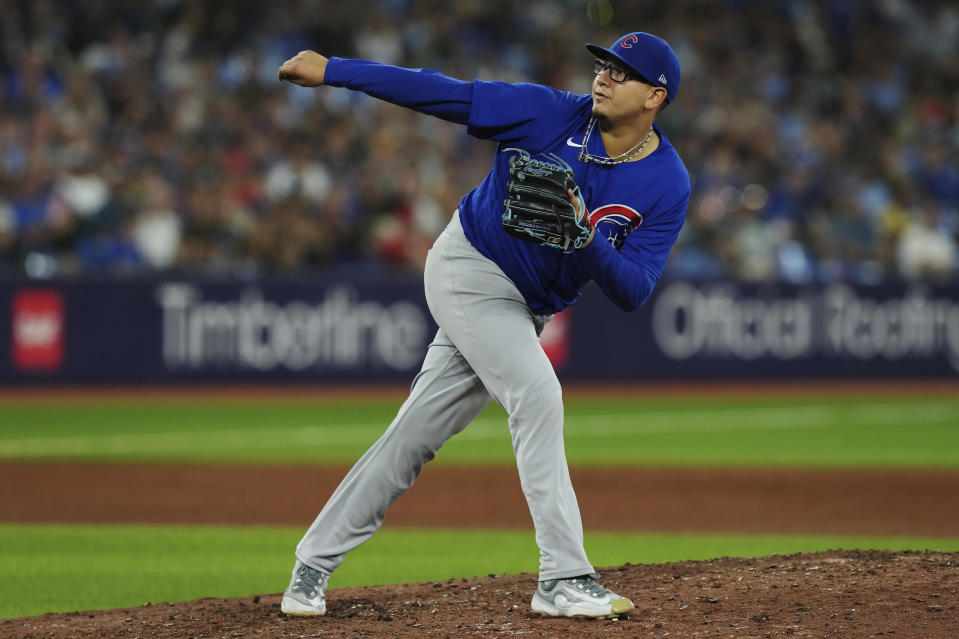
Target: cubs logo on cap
647 55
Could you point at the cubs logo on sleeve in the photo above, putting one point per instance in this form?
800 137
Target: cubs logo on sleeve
615 222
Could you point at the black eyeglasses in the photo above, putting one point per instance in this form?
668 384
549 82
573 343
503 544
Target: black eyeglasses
617 73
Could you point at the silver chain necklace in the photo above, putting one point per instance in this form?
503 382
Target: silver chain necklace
586 156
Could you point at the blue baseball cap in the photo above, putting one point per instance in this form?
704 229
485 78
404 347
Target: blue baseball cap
647 55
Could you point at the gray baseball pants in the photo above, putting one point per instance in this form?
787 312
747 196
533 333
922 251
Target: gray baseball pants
486 347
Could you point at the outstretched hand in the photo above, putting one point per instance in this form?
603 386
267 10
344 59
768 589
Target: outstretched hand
306 68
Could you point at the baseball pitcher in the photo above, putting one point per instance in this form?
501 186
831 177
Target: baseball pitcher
582 187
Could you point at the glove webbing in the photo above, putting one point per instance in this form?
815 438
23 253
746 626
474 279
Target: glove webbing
538 208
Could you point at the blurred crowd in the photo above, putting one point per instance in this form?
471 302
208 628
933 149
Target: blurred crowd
822 136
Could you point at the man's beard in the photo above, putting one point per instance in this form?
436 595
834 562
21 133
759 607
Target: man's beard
601 119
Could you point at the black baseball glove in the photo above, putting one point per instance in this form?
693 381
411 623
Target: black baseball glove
539 209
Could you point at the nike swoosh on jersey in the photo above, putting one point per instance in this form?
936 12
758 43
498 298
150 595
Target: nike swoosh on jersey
570 142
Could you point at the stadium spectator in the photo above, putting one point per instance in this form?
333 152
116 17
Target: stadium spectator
822 137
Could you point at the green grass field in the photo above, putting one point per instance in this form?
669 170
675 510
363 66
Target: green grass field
881 432
60 568
66 568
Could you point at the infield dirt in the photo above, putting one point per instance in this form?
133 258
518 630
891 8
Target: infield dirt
846 595
735 500
843 594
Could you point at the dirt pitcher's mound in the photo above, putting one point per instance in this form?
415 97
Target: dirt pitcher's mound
843 594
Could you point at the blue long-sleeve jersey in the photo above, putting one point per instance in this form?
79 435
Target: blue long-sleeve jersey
638 207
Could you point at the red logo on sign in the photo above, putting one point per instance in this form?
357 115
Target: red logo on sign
555 339
38 330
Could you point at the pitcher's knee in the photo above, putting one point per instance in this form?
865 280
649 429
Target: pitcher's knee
552 393
544 398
